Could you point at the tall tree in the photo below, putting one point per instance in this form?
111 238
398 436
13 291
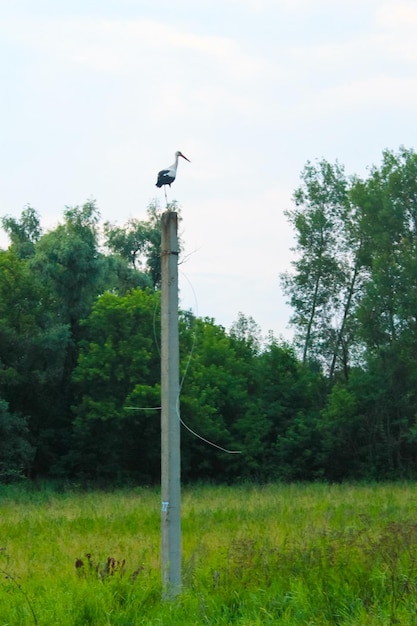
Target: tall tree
322 288
16 453
33 346
69 261
117 381
389 200
23 233
387 312
357 241
68 264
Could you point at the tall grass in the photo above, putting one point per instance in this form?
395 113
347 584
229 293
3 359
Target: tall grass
278 554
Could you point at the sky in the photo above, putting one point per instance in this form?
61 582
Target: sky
97 95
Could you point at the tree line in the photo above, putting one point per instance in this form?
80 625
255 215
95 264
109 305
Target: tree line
80 336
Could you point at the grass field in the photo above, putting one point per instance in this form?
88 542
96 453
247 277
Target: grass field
312 554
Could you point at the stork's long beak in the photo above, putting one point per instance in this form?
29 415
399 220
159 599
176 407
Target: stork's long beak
184 157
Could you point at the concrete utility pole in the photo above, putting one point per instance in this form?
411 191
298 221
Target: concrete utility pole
170 417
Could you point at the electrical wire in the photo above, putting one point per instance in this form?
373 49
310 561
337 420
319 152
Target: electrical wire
211 443
142 408
177 405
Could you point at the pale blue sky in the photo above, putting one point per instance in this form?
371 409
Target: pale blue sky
98 95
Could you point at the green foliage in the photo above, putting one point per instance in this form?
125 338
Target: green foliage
138 243
278 430
354 295
117 376
32 346
68 261
323 285
16 453
339 428
24 234
215 395
79 345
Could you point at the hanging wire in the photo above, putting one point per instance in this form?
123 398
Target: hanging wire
142 408
190 356
211 443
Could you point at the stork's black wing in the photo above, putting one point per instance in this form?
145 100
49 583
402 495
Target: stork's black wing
164 178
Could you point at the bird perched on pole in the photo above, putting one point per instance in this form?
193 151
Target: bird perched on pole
167 177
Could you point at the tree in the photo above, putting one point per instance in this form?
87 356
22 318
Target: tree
387 311
16 453
69 261
32 348
214 395
247 333
323 288
117 376
49 283
354 294
290 395
139 242
389 200
23 233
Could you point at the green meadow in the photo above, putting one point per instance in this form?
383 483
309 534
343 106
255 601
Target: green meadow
308 554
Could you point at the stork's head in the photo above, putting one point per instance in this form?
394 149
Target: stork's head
180 154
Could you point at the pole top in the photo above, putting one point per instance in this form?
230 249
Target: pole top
169 216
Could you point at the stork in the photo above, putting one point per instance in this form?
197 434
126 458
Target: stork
167 177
